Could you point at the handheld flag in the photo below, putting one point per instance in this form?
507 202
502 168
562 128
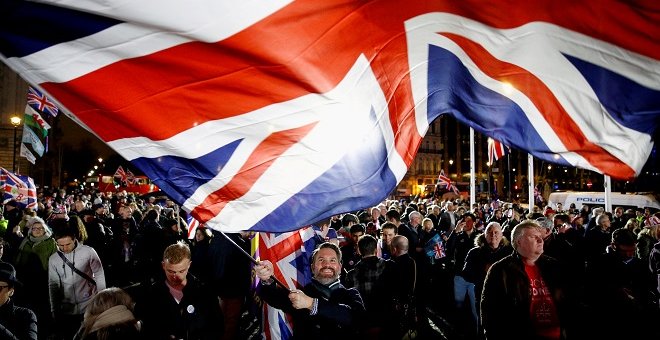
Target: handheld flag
435 248
121 175
18 188
444 182
293 111
290 254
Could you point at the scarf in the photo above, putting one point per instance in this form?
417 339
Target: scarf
37 240
113 316
326 290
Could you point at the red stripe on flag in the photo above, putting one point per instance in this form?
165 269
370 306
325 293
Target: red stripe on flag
542 97
259 161
279 251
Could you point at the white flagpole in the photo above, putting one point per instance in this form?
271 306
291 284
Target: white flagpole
530 181
607 183
473 189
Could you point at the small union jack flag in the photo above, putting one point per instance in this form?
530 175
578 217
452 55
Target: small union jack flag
444 181
40 101
121 174
434 248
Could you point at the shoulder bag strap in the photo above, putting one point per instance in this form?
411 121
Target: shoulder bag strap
68 263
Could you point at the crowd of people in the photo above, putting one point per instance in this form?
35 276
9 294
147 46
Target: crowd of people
100 266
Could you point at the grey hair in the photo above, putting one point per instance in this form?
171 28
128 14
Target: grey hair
34 220
519 229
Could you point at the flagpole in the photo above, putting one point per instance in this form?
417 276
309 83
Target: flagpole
252 259
530 181
473 191
607 183
508 169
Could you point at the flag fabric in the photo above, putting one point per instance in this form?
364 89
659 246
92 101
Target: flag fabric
35 119
40 102
444 182
435 248
35 134
282 113
496 150
193 224
121 175
27 154
30 137
130 177
290 254
18 188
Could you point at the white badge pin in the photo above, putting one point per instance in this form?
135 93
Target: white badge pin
190 309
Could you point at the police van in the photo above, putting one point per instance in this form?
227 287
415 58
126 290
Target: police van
594 199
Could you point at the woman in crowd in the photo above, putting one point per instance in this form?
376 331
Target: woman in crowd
109 316
199 253
646 239
32 265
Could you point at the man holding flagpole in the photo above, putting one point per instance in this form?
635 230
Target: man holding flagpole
323 309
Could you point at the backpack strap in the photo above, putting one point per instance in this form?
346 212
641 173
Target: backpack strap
76 270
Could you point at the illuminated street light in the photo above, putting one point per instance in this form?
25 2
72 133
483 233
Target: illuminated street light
451 162
15 121
100 160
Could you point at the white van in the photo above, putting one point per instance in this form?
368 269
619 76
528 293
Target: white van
592 199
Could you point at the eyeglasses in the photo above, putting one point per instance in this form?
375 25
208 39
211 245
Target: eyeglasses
38 228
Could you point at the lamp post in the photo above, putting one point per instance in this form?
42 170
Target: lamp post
15 121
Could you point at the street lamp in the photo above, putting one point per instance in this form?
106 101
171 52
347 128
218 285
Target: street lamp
15 121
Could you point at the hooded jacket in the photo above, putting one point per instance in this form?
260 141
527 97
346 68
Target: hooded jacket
69 292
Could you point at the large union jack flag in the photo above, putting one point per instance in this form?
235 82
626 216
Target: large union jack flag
273 114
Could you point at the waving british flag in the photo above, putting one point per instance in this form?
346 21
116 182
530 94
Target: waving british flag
18 188
274 114
40 102
290 254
